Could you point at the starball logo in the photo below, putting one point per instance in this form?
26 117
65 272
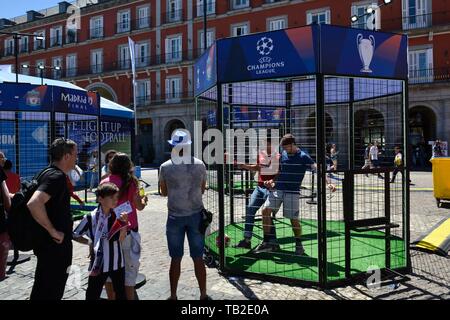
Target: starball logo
265 46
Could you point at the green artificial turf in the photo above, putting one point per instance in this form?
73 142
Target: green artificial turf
367 250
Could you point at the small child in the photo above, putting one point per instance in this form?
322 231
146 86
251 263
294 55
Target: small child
101 226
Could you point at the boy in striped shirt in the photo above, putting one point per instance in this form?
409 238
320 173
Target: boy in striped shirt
105 230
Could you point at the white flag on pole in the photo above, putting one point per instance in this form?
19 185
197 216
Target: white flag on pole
132 47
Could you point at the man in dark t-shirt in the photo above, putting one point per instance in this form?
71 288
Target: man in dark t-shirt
50 207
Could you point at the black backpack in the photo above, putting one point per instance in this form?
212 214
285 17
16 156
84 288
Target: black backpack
25 233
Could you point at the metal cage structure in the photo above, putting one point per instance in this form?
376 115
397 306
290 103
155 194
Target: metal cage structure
325 85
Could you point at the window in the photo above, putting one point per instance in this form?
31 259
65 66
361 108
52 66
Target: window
173 49
40 72
277 24
143 92
318 17
57 62
23 44
238 4
96 27
96 61
174 10
143 54
39 44
420 63
239 30
360 10
25 71
71 65
9 47
124 57
55 36
209 39
71 36
416 14
143 17
210 7
173 89
123 21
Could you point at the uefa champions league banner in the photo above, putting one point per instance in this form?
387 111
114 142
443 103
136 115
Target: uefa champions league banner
356 52
205 70
274 54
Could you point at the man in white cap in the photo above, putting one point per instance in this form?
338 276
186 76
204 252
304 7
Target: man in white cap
183 180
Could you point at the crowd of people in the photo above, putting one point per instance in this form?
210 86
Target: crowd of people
111 231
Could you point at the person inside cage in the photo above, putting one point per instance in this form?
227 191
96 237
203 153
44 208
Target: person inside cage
294 163
267 168
374 153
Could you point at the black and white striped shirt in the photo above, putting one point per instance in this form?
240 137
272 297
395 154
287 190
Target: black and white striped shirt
112 250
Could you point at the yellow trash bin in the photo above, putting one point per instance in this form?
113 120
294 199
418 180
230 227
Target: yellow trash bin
441 179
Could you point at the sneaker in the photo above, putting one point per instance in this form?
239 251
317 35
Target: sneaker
244 244
267 247
299 250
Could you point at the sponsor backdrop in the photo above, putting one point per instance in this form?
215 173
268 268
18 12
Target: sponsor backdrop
35 104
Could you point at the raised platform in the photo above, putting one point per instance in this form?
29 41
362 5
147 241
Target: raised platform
367 249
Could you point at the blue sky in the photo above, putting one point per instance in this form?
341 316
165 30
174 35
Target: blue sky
11 8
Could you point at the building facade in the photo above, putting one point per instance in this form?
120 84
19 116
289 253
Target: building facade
88 42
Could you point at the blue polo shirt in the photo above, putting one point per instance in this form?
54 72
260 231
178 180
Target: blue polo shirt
292 170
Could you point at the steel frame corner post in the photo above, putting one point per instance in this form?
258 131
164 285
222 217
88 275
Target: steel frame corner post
321 167
321 172
220 182
348 184
406 189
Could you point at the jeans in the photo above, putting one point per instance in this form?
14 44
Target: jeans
257 199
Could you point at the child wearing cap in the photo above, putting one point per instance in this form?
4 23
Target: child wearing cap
105 230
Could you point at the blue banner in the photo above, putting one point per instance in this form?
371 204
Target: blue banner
33 151
273 54
356 52
76 101
8 140
205 71
25 97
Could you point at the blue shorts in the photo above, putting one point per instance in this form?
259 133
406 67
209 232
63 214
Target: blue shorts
177 227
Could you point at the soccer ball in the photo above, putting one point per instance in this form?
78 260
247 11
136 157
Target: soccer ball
264 46
227 241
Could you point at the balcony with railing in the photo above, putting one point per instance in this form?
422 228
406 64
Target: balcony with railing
173 16
123 27
96 33
72 36
23 48
142 23
56 41
85 67
238 4
414 22
210 9
424 76
168 98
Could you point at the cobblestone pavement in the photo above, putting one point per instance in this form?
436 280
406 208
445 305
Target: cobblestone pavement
430 278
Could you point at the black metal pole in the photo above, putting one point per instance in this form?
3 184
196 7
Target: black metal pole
204 25
16 55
